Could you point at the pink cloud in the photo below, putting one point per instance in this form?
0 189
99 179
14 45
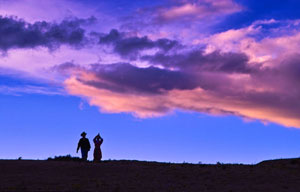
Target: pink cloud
199 100
112 102
268 50
199 10
248 95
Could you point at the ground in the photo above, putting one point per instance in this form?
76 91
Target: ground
33 175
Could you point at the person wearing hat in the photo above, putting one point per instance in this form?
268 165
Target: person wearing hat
84 145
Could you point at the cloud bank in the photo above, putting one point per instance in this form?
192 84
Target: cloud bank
175 57
216 83
16 33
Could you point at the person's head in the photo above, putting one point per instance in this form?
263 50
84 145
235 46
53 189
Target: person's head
98 136
83 134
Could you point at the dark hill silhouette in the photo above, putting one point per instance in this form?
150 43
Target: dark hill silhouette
293 162
67 174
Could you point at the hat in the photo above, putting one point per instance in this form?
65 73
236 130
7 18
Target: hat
83 133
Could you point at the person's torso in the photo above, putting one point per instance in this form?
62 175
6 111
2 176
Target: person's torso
85 144
97 143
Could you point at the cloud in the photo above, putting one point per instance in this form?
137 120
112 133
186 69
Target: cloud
130 46
201 9
196 60
227 73
16 33
219 82
124 77
268 42
216 83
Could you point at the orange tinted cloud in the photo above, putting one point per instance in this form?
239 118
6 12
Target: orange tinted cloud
247 102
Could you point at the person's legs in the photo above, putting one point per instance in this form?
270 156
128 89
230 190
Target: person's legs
97 155
84 154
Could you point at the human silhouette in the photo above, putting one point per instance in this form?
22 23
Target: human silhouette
98 140
84 145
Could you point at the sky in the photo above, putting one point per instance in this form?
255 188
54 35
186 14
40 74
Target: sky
197 81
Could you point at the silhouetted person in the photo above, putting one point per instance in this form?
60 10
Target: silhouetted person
97 151
85 146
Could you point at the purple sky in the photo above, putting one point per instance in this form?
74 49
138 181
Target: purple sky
181 80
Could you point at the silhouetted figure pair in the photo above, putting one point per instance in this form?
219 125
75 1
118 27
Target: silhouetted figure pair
84 145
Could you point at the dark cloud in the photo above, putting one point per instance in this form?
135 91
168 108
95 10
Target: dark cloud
185 71
196 60
16 33
283 77
124 77
130 47
64 67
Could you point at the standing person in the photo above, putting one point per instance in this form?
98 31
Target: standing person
85 146
97 151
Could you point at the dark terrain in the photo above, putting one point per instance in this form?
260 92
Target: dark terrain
34 175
